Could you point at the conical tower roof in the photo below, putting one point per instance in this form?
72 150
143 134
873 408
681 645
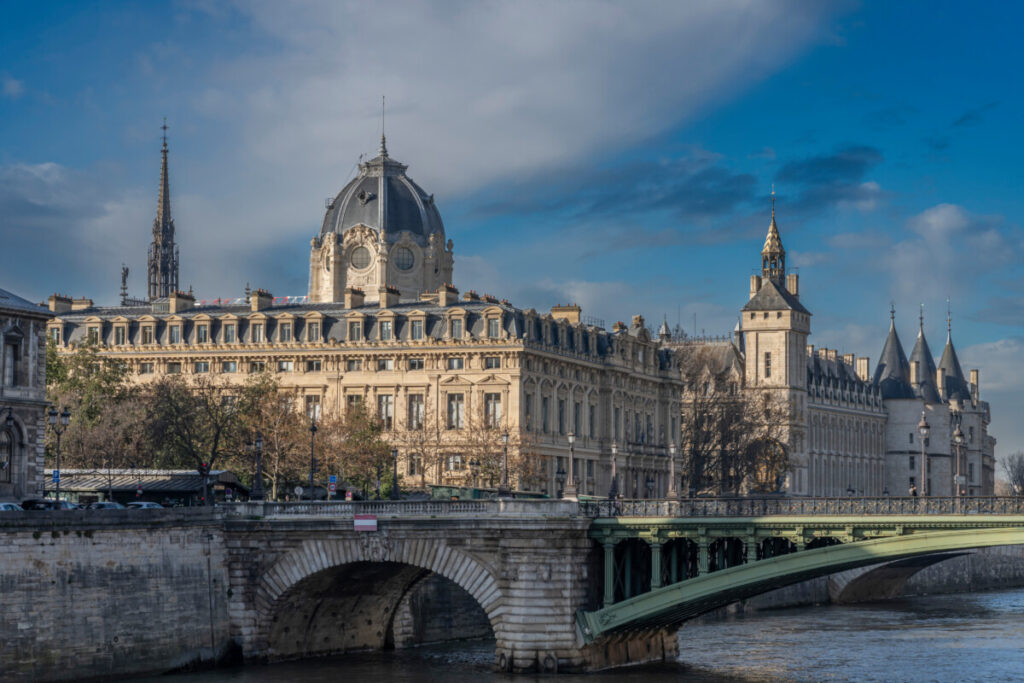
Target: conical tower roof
954 385
924 387
892 374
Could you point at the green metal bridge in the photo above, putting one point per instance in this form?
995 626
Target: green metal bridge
669 560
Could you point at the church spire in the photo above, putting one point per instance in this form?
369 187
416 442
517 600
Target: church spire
773 256
163 256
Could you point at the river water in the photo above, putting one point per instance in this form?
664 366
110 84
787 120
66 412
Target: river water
970 637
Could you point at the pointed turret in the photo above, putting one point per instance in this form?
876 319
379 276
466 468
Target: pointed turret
922 366
952 384
163 256
664 333
773 256
892 374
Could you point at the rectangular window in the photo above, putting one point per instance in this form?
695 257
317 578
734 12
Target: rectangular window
201 367
970 471
147 334
417 329
767 363
385 364
528 411
913 464
202 334
970 434
145 368
229 333
285 366
576 408
119 335
284 332
386 410
256 335
415 411
93 335
455 363
456 411
415 363
174 368
257 366
492 410
229 366
55 334
353 401
591 421
545 413
313 366
456 328
412 464
492 362
355 330
454 463
385 330
313 407
312 331
617 422
911 437
493 328
174 334
353 365
561 416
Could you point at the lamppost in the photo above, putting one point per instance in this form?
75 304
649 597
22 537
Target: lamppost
613 490
503 490
394 474
312 455
570 486
257 483
672 491
560 478
58 426
474 470
958 445
923 428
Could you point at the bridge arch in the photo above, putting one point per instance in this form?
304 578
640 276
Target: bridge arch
333 595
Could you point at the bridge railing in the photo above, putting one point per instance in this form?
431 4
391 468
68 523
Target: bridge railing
757 507
386 508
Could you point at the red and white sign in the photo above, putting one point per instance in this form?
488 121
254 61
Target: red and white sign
332 487
365 523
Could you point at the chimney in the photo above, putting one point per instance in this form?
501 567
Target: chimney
388 296
471 295
59 303
810 350
864 369
793 284
832 354
180 301
975 385
755 285
353 297
915 371
848 359
619 326
260 299
447 295
81 304
638 322
570 312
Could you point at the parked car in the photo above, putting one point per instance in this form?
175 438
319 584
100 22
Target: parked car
10 507
144 505
106 505
48 504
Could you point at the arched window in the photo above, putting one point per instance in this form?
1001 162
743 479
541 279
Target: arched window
6 454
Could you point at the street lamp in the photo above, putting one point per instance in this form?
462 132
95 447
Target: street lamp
312 455
924 429
560 478
503 490
958 440
257 483
613 490
474 470
58 423
570 487
394 474
672 491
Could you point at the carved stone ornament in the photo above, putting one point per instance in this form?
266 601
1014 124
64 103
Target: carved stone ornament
375 547
365 197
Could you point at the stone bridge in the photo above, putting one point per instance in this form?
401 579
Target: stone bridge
563 586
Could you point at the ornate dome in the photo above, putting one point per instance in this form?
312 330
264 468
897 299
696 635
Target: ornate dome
384 198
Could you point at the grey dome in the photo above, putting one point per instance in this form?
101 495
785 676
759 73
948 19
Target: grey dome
384 198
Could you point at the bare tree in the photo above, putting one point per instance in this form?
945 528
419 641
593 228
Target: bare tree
1013 467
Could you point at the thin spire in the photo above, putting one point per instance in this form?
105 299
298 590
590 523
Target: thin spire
163 207
383 151
892 313
920 319
949 320
773 202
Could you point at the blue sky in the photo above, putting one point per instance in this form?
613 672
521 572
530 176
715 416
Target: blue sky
619 155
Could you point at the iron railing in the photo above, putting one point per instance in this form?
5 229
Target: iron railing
759 507
425 508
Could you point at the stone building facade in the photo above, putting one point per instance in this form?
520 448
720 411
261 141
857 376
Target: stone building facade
22 397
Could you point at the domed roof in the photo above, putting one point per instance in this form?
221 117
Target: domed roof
384 198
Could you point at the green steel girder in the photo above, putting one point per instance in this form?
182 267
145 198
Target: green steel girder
691 597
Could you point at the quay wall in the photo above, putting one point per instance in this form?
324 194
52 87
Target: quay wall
93 594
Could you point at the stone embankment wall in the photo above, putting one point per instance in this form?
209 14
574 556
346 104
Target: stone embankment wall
93 594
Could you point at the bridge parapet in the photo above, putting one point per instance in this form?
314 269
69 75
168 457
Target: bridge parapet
501 507
779 506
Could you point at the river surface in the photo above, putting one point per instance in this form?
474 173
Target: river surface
970 637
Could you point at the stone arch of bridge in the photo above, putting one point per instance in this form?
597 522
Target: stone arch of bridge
331 595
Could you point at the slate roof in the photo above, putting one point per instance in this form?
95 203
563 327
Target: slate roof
954 386
774 297
924 387
892 374
13 302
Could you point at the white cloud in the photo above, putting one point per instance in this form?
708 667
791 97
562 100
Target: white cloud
11 87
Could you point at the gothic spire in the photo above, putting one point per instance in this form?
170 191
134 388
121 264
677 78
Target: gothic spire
923 362
163 255
163 223
953 383
773 256
892 374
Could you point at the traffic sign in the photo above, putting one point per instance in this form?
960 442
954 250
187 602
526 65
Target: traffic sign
56 476
333 479
332 487
298 490
348 495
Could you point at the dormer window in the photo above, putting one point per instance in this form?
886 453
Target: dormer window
493 328
284 332
355 330
174 334
385 330
93 334
312 331
202 333
147 334
417 329
256 336
120 333
229 333
55 334
456 328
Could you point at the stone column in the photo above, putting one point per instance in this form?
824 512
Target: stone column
609 573
655 564
751 549
702 556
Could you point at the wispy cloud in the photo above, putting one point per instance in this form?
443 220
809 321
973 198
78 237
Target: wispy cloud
11 87
834 179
